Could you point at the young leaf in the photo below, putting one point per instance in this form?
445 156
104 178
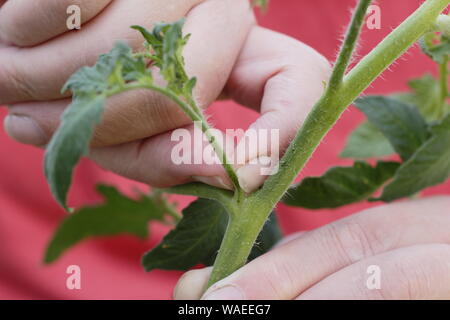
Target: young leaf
198 236
367 142
429 166
113 73
340 186
70 143
117 215
90 86
400 123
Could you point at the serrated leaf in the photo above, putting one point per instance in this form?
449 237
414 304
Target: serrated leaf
401 124
340 186
70 143
429 166
365 142
117 215
197 238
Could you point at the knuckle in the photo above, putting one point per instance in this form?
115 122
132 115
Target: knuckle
352 239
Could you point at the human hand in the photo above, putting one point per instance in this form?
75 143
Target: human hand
269 72
409 242
38 55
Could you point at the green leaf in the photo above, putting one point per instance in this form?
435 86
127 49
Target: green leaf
195 239
198 236
340 186
113 73
426 96
117 215
429 166
436 46
400 123
70 143
167 42
366 141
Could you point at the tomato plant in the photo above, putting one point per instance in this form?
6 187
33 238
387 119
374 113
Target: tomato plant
222 227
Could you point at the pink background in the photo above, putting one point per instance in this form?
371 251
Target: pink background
110 267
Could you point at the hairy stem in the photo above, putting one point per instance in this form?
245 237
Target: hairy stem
198 119
236 246
443 84
348 47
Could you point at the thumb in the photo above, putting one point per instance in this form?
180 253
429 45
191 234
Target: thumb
192 284
284 78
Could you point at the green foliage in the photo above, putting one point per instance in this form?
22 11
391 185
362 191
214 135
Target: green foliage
400 123
429 166
115 72
436 46
117 215
340 186
367 141
197 238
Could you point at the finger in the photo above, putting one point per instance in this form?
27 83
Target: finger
26 23
287 271
192 284
38 73
143 113
168 159
412 273
283 78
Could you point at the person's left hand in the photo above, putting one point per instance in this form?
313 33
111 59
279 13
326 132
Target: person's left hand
406 244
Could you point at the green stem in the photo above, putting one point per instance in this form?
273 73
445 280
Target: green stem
443 84
348 47
198 119
257 207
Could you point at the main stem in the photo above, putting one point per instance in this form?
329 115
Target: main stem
249 217
443 85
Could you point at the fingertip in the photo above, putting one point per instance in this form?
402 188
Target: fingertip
192 284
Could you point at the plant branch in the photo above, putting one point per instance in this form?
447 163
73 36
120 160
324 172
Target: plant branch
257 207
349 45
443 83
196 117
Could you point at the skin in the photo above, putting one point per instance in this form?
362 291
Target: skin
262 76
263 70
408 241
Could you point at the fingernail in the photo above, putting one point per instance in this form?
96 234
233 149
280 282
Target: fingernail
250 176
215 181
25 130
228 292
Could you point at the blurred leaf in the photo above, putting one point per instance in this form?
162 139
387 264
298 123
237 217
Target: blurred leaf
340 186
436 46
426 96
197 238
366 141
400 123
429 166
117 215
